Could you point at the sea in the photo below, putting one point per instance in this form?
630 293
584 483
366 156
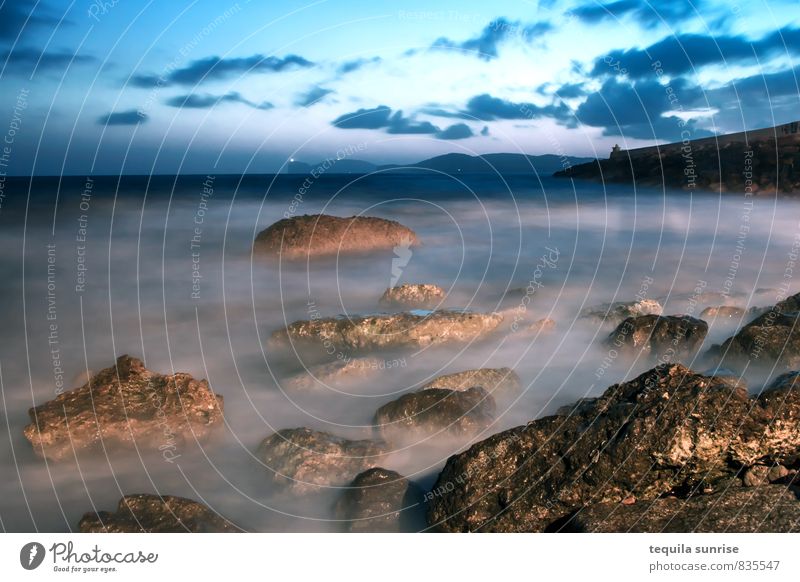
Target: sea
161 268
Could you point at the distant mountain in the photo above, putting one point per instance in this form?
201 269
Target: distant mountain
544 165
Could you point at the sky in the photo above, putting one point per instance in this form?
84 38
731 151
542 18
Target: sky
124 86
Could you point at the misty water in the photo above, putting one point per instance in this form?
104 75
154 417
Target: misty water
149 240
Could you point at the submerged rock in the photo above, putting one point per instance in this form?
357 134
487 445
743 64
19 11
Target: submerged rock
379 500
156 514
390 330
435 411
620 310
338 373
666 338
773 508
407 295
668 432
124 405
499 382
318 235
303 461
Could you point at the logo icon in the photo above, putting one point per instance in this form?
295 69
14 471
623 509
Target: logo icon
31 555
402 256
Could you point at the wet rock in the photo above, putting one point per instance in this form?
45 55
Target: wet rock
621 310
419 296
668 432
666 338
773 508
435 412
304 461
318 235
156 514
389 330
123 405
772 339
338 373
501 383
379 500
723 312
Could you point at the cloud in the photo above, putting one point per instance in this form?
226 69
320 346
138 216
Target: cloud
356 64
381 117
28 61
488 108
485 45
485 130
207 101
20 18
682 54
130 117
312 96
457 131
635 110
644 11
216 68
570 91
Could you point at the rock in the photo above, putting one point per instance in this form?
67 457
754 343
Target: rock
499 382
379 500
668 432
123 405
435 412
320 235
666 338
545 325
723 312
420 296
772 339
338 373
389 330
304 461
156 514
773 508
620 310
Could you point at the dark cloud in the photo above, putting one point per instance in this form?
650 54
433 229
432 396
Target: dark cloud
488 108
647 12
215 68
485 45
566 91
381 117
28 61
207 101
312 96
356 64
682 54
485 130
457 131
131 117
22 18
754 90
634 110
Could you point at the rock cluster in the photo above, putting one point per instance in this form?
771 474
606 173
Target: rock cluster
665 338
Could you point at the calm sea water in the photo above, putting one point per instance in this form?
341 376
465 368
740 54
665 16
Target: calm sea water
161 268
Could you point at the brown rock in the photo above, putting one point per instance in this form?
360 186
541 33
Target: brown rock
499 382
123 405
379 500
407 295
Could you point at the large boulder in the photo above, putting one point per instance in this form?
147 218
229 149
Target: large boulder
303 461
772 508
435 412
618 311
499 382
666 338
318 235
408 295
379 500
156 514
389 330
772 339
124 405
668 432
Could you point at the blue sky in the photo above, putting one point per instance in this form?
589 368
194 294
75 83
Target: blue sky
195 87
